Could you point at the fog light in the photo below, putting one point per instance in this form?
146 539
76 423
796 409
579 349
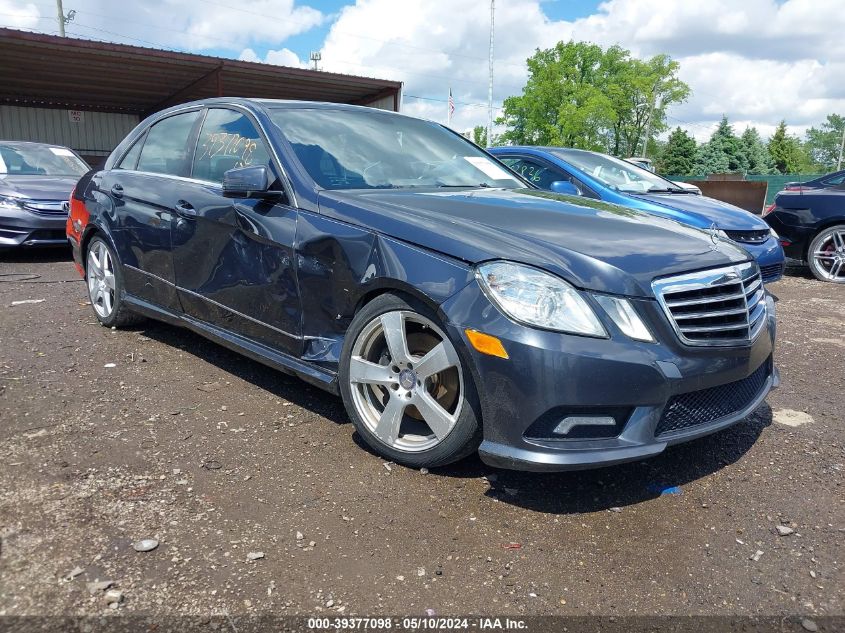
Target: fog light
570 422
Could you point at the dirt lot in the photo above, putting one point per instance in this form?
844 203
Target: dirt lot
113 436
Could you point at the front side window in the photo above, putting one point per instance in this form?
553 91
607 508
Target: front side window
535 172
617 174
228 139
166 149
363 149
30 159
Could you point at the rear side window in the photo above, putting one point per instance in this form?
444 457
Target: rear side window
228 139
166 149
130 159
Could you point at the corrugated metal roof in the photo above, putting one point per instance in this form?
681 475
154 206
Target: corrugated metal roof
52 71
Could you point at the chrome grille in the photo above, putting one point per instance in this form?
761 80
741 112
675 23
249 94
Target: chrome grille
722 306
47 207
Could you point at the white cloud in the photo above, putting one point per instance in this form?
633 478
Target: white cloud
281 57
758 61
192 25
20 15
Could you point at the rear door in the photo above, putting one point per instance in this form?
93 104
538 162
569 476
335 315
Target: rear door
143 190
234 258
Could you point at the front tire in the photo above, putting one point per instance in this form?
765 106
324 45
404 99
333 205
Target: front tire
826 254
406 387
104 279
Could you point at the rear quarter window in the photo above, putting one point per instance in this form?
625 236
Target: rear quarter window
166 149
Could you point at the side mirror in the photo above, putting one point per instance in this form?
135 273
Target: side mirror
564 186
248 182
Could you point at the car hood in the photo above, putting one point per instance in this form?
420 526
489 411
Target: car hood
702 211
592 244
38 187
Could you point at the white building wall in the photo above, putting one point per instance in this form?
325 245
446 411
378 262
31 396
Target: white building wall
89 133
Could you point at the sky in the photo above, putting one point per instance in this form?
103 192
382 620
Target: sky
756 61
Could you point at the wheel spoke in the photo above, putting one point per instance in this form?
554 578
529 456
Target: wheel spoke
438 419
835 268
363 371
109 279
440 358
393 325
824 255
107 301
94 264
838 239
391 419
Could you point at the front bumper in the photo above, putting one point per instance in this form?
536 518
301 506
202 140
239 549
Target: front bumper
24 228
550 376
769 256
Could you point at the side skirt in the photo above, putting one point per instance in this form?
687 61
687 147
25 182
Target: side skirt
272 358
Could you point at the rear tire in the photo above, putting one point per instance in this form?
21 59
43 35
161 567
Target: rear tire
104 279
826 254
405 386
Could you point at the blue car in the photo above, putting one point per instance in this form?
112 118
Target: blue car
454 309
602 177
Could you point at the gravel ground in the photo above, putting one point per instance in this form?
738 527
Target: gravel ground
263 500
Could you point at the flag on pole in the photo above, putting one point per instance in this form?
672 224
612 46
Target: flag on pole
451 106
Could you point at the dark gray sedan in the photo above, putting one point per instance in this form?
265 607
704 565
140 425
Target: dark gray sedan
36 180
451 304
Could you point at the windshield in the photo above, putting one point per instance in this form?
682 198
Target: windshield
362 149
39 160
618 174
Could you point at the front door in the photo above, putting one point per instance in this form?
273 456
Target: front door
233 258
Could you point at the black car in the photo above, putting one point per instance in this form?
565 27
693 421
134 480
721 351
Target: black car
35 184
810 220
453 306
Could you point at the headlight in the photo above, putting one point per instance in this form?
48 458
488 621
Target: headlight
533 297
11 202
625 317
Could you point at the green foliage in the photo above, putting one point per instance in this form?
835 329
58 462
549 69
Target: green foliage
823 143
581 95
678 156
722 153
479 135
757 159
788 155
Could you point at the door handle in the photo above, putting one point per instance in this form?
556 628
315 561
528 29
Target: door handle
185 209
117 191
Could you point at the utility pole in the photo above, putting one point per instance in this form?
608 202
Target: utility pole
490 86
62 18
841 148
60 14
648 129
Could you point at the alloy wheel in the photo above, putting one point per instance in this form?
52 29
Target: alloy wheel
829 256
101 279
406 381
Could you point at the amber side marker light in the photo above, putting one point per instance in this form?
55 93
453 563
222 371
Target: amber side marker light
486 344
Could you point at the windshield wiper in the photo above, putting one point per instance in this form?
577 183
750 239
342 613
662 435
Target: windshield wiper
468 186
659 190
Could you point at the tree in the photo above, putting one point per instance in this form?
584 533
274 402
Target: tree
722 153
678 156
823 143
756 155
479 135
788 156
581 95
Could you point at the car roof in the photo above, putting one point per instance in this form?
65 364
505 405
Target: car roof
259 104
30 143
540 149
